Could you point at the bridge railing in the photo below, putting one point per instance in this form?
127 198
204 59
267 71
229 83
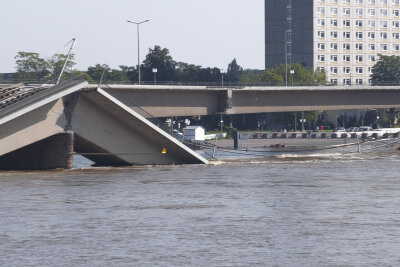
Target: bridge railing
240 84
217 84
14 97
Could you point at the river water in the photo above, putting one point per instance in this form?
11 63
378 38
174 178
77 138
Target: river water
319 210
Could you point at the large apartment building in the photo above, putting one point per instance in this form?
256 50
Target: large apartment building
341 37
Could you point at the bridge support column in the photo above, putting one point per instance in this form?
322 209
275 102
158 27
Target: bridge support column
54 152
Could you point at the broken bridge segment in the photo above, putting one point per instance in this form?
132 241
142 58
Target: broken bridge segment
110 133
32 124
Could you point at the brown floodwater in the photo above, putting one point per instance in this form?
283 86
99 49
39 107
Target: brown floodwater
313 210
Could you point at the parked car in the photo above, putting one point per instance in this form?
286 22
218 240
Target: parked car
340 130
353 129
364 128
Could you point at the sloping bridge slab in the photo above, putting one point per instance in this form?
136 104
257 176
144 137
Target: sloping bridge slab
34 117
110 133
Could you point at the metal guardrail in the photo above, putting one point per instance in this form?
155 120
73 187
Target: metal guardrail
201 83
239 84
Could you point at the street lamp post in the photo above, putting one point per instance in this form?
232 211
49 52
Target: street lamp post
222 77
155 72
292 74
221 123
138 39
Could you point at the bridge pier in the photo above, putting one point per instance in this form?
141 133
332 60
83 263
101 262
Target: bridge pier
54 152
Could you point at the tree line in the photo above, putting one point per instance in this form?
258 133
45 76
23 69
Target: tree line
31 66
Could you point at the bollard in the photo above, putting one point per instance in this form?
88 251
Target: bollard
236 140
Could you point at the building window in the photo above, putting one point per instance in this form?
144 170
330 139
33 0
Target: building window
395 2
371 47
334 70
396 47
371 24
321 58
384 47
359 81
371 35
384 24
370 70
334 58
321 46
384 12
360 2
346 82
321 22
334 81
396 36
359 58
346 11
383 35
371 2
395 24
371 12
359 70
334 22
321 34
346 46
359 11
359 35
371 58
334 35
334 11
395 13
334 46
346 23
359 47
359 23
346 35
346 58
384 2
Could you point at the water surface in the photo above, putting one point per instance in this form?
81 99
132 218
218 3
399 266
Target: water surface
283 211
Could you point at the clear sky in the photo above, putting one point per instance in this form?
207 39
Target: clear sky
209 33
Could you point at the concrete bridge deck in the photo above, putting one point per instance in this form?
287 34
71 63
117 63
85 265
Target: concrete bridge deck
168 101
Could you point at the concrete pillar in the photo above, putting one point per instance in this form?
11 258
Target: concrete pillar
54 152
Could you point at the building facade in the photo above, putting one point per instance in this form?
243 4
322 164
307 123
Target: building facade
341 37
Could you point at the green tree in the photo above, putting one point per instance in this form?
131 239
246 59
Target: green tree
301 76
30 66
160 59
234 72
57 62
110 75
251 77
187 72
130 72
386 70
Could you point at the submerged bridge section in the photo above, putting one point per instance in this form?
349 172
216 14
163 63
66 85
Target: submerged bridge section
168 101
42 127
